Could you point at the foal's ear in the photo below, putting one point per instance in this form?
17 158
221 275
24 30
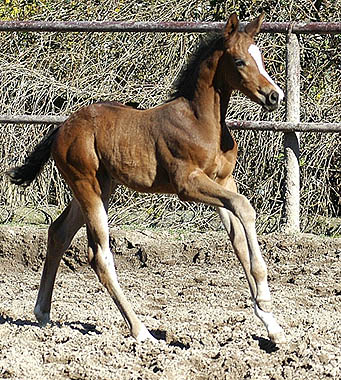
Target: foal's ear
231 26
254 26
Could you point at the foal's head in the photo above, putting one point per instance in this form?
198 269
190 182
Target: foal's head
242 65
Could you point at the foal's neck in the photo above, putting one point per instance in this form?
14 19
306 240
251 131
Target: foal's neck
210 100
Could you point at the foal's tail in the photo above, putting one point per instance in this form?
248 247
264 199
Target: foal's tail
34 162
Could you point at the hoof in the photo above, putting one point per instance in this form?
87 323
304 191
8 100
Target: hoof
42 318
145 335
278 338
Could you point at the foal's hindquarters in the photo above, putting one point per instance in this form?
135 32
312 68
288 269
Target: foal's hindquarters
91 186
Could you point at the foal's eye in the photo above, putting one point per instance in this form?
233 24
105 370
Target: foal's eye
239 62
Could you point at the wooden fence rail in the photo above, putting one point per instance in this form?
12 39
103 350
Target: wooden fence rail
172 26
291 127
275 126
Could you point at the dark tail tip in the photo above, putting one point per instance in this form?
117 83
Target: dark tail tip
23 175
20 176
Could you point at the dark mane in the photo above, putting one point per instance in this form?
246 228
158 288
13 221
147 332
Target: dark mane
185 84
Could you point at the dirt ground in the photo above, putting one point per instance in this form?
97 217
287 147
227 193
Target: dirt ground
191 293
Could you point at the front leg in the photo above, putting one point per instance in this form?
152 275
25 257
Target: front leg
238 217
260 293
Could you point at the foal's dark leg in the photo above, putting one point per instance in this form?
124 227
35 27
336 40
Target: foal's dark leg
61 232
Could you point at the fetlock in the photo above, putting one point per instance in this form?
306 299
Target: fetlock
265 305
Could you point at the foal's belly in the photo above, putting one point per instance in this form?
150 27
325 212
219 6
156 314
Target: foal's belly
139 171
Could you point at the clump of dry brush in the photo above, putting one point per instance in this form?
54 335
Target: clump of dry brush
56 73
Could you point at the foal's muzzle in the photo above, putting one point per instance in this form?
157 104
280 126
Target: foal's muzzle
271 101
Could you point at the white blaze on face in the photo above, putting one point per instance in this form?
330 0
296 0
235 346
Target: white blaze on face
257 56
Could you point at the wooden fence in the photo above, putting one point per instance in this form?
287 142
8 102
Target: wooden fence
291 127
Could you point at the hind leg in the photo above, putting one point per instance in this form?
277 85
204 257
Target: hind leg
61 232
94 205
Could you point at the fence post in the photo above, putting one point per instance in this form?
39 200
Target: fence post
291 208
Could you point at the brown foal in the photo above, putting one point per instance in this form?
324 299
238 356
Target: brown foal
181 147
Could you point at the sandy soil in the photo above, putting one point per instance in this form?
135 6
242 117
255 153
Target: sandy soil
190 291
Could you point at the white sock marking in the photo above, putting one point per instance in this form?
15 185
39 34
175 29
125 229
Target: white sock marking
268 320
257 56
144 334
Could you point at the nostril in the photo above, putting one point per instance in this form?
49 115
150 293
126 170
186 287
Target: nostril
273 97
